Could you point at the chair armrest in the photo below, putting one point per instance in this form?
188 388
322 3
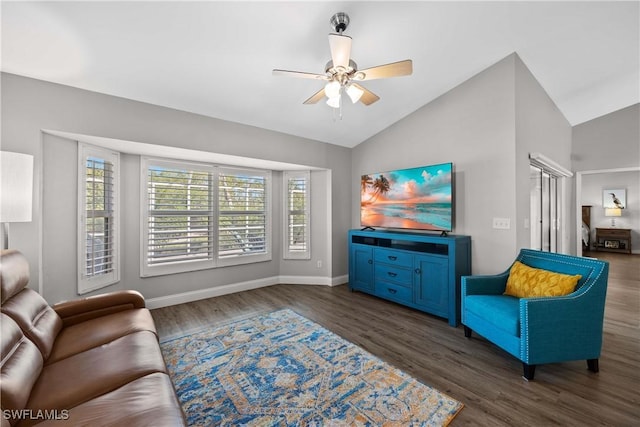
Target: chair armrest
562 326
81 310
484 285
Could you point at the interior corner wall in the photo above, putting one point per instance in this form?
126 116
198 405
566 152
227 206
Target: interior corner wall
473 126
29 106
540 127
608 142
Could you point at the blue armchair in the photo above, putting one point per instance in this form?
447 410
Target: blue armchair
543 329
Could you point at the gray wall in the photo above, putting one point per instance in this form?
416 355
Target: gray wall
472 126
486 126
540 127
602 144
608 142
29 106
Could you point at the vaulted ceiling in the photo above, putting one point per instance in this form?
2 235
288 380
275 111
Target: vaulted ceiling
216 58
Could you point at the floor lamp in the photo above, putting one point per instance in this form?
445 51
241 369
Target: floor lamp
16 185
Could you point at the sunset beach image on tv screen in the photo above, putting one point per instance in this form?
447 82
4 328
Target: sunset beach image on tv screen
417 198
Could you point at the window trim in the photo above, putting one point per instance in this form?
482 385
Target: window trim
88 284
287 253
215 261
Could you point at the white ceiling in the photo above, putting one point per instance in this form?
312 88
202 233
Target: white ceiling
215 58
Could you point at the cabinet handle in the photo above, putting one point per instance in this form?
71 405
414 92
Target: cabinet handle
392 258
417 270
370 261
392 274
392 291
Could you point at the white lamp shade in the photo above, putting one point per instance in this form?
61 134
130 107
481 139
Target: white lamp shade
334 102
332 89
16 185
612 212
354 93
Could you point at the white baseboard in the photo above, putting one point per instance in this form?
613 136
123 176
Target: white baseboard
314 280
339 280
217 291
232 288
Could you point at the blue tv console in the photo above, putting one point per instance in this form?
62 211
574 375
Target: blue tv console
421 271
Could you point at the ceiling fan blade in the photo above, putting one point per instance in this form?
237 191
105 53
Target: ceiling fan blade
367 97
300 74
340 50
315 97
395 69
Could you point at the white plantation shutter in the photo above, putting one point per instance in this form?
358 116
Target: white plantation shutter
242 216
297 232
98 234
197 216
178 217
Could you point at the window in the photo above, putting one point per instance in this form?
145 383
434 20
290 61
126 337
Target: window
179 215
242 220
197 216
98 240
297 231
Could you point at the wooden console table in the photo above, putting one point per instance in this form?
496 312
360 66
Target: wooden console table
613 240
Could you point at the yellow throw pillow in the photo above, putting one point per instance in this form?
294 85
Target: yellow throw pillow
525 282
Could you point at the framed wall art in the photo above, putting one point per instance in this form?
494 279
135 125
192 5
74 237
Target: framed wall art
614 199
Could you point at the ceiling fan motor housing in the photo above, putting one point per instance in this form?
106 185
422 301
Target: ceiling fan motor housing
339 22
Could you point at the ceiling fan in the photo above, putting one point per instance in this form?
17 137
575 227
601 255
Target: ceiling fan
342 74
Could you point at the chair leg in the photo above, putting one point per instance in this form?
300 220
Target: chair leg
467 331
593 365
528 371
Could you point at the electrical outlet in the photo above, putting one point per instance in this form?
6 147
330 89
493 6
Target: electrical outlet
502 223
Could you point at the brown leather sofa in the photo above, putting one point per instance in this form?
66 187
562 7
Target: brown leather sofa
90 362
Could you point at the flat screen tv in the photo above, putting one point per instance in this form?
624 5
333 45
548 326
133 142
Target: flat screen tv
417 198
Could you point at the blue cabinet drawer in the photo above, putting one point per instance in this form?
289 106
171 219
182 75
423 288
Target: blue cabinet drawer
389 256
394 292
395 274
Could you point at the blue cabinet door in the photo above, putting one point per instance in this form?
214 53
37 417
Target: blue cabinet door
431 283
361 268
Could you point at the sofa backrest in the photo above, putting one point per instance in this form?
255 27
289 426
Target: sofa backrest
592 270
38 321
20 365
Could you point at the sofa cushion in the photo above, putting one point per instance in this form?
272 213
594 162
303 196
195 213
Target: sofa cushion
39 322
20 365
149 400
96 332
501 311
527 282
84 376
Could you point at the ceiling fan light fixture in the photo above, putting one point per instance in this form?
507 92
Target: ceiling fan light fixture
334 102
332 89
354 92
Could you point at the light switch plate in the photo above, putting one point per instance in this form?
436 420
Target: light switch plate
502 223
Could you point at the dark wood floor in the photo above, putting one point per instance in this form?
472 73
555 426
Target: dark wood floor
486 379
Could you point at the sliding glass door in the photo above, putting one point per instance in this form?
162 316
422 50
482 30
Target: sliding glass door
544 209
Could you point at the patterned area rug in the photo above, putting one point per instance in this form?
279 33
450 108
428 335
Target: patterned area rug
283 369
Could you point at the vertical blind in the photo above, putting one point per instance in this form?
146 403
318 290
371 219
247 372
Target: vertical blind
242 214
99 220
297 239
180 215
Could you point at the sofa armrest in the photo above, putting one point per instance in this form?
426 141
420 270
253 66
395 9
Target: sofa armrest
484 285
561 328
78 311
